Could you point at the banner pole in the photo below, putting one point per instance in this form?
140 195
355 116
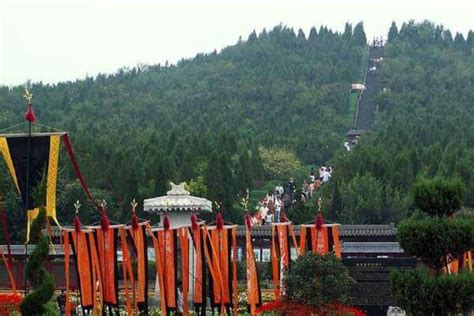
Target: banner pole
27 198
30 117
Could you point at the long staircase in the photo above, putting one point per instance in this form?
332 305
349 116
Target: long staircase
365 113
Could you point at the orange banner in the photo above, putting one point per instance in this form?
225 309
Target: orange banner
84 269
283 245
220 243
337 243
253 295
293 238
302 240
184 242
141 257
166 242
212 259
96 276
319 240
275 265
235 290
127 271
107 250
159 269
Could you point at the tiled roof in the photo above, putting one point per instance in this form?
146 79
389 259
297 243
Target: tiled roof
370 247
19 250
344 230
367 230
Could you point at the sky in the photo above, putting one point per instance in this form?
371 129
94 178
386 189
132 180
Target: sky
54 41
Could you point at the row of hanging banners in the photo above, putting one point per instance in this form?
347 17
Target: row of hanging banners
204 257
208 254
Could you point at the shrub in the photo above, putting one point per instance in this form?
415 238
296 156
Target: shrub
422 294
42 282
436 241
438 197
316 280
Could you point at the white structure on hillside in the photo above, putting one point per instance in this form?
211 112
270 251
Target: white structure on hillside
179 204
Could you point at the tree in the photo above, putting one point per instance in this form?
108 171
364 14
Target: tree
393 32
437 241
347 30
279 163
316 280
421 294
438 197
39 278
197 187
470 38
312 37
359 34
301 35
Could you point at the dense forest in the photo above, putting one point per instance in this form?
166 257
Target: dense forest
424 127
216 119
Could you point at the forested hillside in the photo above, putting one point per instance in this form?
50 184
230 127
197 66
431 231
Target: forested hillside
424 127
213 120
202 119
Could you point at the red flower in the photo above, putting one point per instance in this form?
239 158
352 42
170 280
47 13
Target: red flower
294 309
9 302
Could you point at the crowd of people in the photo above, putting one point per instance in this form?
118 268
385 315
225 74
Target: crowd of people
272 208
377 41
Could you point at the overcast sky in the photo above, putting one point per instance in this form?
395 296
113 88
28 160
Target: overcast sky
65 40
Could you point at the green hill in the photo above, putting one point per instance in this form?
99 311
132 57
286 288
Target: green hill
205 119
139 128
424 127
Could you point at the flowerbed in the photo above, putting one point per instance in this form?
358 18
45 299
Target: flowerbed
9 303
288 308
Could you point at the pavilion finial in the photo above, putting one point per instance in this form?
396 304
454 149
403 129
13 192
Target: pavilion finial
178 189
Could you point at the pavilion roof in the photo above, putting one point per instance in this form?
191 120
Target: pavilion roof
177 199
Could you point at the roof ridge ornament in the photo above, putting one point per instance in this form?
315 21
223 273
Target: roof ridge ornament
178 189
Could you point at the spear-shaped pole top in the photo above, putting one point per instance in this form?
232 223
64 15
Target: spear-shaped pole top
77 206
134 205
28 96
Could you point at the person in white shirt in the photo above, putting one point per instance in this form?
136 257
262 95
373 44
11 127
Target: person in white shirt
347 146
277 210
269 219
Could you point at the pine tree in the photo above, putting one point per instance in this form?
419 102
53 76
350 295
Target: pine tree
252 37
359 34
470 39
347 31
312 38
448 38
393 32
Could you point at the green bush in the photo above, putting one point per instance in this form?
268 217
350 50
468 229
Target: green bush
42 282
438 197
422 294
316 280
436 241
